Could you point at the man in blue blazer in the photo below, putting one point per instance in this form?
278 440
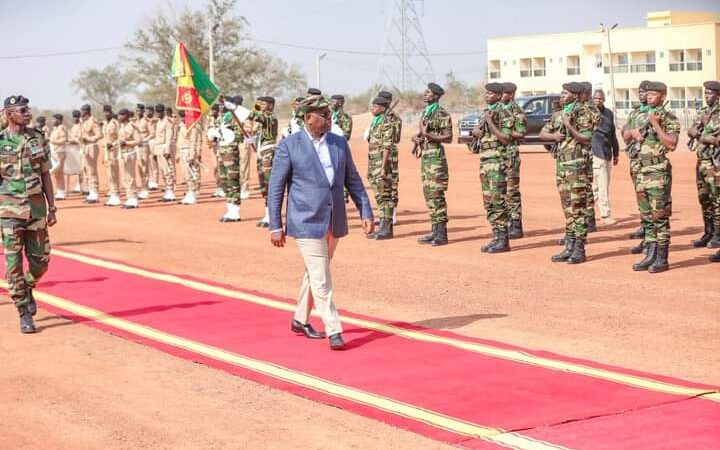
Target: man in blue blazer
314 166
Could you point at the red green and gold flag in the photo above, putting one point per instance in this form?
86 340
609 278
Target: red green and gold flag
196 93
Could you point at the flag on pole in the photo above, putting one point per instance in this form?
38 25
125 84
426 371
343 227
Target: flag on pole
196 93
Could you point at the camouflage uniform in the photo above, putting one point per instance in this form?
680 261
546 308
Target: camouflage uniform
434 167
396 122
514 201
266 131
493 168
655 181
23 210
591 110
229 162
637 118
571 169
344 121
381 140
705 172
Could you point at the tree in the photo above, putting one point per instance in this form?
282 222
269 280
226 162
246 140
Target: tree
103 86
240 68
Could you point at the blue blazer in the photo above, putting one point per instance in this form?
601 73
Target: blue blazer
314 206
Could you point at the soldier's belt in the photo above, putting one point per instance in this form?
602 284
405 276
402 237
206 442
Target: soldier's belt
570 156
489 145
644 162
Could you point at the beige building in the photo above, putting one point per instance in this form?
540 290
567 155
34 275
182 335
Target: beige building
677 48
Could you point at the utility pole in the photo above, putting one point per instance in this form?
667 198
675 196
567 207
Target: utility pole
612 72
213 25
318 57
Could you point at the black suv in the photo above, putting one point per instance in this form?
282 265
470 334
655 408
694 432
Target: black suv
538 109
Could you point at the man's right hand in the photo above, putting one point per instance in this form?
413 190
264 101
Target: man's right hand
277 238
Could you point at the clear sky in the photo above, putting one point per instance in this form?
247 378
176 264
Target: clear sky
48 26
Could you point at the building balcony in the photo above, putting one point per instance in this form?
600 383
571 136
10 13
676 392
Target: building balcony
494 75
677 67
573 71
641 68
693 65
617 69
539 72
526 73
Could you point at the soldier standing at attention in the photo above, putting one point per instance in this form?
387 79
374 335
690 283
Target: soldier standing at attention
112 154
212 120
128 141
265 132
91 135
574 134
41 124
58 140
380 142
435 130
514 199
163 144
153 167
27 208
396 122
710 137
705 171
494 133
229 170
188 144
655 177
142 123
585 99
339 116
75 146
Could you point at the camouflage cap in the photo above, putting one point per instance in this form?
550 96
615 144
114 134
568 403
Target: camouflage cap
16 100
573 87
436 89
509 87
712 85
496 88
657 86
314 103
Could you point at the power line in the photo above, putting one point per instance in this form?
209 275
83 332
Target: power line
68 53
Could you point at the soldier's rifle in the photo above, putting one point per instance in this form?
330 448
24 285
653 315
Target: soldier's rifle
483 125
555 146
416 150
246 136
701 128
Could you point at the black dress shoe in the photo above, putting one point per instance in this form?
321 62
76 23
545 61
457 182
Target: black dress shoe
306 329
336 342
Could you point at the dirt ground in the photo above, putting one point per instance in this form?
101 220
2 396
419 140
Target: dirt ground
72 387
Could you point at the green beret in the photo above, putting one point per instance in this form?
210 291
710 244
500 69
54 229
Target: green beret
314 103
380 101
658 86
496 88
573 87
712 85
643 85
16 100
436 89
509 87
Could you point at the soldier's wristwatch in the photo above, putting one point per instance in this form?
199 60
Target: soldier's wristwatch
52 209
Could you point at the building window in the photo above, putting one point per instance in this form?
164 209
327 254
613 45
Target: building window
619 63
677 60
538 66
573 65
708 52
694 59
623 99
642 62
525 67
676 95
662 54
494 69
694 97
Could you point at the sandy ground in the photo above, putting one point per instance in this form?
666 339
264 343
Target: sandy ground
71 387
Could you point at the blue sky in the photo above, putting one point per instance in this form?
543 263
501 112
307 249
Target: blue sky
48 26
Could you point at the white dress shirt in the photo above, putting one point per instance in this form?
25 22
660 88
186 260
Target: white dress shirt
323 152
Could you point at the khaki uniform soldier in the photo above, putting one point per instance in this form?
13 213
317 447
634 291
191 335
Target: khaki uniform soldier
265 133
188 144
153 167
574 136
74 145
514 198
381 140
128 142
705 171
212 121
111 155
164 143
637 118
27 206
435 130
89 139
654 182
396 122
229 170
41 124
59 139
492 136
142 162
245 151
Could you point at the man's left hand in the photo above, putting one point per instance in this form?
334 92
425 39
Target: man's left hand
616 160
51 219
368 225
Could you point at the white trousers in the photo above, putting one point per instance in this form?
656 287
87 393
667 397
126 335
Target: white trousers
601 185
316 289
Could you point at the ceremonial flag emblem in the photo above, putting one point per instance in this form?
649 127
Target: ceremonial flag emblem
195 92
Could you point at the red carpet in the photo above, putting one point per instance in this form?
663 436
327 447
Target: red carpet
569 409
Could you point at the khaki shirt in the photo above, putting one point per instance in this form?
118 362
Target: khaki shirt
58 137
91 132
188 139
143 128
110 133
128 136
75 133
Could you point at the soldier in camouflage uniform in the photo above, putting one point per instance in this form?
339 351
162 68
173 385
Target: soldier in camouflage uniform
229 170
574 136
381 140
339 116
514 200
636 119
491 136
265 129
711 138
27 206
396 121
655 177
587 103
705 171
435 130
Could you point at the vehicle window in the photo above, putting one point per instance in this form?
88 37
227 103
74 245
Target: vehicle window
537 106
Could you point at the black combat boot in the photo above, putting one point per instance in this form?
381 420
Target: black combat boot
386 231
32 305
715 257
515 229
591 223
565 254
661 261
715 239
562 241
707 235
640 248
638 234
27 324
649 259
441 236
428 238
492 242
502 244
379 227
578 252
